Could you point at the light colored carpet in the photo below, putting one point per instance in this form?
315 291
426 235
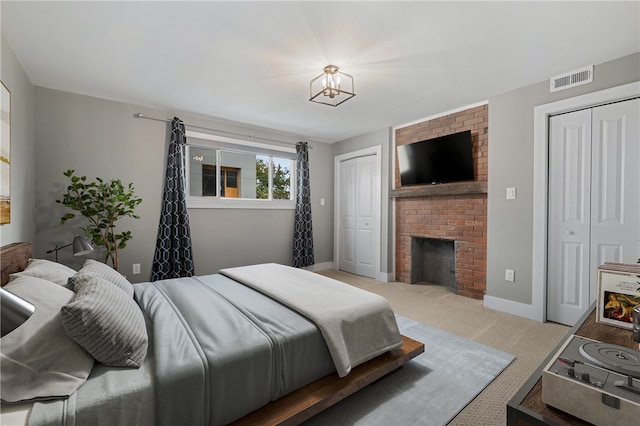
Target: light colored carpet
428 391
436 306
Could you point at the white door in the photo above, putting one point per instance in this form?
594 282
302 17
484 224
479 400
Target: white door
594 200
360 207
367 206
348 216
615 191
569 216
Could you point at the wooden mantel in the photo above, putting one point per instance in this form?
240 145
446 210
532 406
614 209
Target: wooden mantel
456 188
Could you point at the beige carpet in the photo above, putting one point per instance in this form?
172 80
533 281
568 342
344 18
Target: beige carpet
529 341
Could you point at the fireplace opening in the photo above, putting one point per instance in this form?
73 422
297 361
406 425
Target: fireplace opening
433 261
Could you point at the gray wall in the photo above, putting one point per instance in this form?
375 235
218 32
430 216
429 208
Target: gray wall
98 137
23 216
383 138
509 242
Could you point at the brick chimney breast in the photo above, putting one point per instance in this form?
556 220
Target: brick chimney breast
458 217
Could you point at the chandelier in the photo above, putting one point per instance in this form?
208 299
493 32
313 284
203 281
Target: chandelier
332 87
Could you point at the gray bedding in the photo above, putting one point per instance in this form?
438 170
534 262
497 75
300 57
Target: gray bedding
217 351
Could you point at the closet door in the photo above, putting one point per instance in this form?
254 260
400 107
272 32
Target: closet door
569 216
615 193
348 216
368 205
359 215
594 202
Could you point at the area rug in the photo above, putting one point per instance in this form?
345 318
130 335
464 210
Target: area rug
429 390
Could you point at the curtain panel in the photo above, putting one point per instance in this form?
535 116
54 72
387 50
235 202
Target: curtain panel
173 257
303 231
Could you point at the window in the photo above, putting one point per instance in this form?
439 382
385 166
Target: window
223 172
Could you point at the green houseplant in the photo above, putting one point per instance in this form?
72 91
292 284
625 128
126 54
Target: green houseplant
103 203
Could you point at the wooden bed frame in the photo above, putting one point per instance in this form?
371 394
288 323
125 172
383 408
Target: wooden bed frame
298 406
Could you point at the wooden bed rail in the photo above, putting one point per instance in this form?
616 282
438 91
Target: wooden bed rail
300 405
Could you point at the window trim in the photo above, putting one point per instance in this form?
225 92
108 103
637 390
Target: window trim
221 143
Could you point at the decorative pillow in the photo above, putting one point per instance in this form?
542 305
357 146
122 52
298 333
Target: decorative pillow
105 321
106 272
38 359
47 270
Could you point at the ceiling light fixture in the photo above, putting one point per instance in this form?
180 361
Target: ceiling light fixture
332 87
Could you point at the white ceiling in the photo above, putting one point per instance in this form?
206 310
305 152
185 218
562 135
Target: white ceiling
251 62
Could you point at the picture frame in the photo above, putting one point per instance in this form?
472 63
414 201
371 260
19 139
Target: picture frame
5 154
618 293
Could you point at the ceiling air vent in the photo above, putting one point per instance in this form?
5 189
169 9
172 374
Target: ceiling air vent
571 79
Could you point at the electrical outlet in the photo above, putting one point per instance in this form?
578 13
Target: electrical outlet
136 268
509 275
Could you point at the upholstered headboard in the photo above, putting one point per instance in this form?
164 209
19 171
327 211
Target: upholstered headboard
14 258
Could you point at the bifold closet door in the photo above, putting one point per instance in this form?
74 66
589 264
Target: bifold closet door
615 189
594 198
360 205
569 216
347 235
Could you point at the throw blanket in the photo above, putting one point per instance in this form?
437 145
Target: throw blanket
356 325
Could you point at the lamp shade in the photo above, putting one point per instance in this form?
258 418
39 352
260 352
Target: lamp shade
81 246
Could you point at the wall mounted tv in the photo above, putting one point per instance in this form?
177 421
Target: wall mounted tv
439 160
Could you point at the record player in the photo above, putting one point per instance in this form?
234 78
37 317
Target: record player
594 381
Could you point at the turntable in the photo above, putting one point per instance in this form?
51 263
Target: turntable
594 381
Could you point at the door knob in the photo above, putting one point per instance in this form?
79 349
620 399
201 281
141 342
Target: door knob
569 232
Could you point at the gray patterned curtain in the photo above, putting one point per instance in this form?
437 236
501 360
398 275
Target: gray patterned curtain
303 231
173 257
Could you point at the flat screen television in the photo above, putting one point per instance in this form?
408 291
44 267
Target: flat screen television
440 160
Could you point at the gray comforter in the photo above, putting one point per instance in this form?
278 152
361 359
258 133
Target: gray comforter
218 350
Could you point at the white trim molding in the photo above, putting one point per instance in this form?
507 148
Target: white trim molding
514 308
317 267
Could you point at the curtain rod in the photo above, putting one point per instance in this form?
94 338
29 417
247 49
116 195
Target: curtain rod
168 120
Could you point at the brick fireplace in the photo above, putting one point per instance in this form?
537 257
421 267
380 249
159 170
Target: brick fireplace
456 212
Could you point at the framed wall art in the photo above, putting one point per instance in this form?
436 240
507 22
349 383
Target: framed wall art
5 154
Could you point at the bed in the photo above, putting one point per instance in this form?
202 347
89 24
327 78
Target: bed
254 360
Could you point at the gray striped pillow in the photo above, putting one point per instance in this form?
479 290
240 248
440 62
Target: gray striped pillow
104 271
106 322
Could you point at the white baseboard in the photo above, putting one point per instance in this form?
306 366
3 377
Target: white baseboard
322 266
514 308
385 277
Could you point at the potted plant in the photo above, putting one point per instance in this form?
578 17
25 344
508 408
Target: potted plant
103 203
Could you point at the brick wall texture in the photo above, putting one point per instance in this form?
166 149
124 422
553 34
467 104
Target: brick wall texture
462 218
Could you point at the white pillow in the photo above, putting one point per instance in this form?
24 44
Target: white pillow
38 359
47 270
